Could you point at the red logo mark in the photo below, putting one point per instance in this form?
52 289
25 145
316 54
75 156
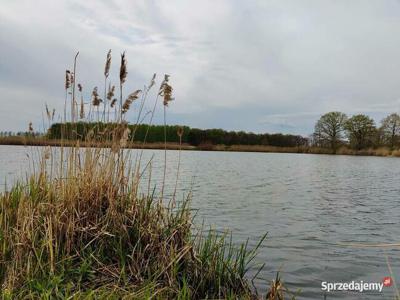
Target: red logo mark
387 281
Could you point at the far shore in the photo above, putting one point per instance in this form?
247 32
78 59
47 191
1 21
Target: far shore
29 141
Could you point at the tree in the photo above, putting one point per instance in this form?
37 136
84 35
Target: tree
329 129
361 131
390 127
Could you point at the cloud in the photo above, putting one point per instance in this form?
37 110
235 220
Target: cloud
254 65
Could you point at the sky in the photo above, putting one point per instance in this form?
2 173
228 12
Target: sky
261 66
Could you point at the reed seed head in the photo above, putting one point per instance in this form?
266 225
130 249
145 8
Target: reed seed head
113 102
95 97
48 112
152 81
67 79
166 90
132 97
123 71
110 93
108 64
180 131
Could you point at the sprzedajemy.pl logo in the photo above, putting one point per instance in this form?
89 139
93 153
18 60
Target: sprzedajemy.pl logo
358 286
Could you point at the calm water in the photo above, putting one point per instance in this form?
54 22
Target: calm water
310 205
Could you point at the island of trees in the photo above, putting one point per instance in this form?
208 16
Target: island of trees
335 130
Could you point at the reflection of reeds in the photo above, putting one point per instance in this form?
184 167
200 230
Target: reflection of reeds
79 228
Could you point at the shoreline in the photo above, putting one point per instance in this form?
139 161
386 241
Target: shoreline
382 151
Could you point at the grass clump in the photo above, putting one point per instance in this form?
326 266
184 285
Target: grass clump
93 232
80 226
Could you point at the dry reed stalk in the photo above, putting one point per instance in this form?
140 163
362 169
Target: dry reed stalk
73 80
180 134
166 92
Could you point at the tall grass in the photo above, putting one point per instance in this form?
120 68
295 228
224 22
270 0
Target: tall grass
80 227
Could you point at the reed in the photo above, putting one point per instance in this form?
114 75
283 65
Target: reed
80 227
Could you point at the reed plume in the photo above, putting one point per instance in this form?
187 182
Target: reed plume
48 112
152 82
166 90
180 131
106 74
108 64
111 91
109 96
113 102
67 79
123 69
95 97
81 111
132 97
122 77
67 86
82 106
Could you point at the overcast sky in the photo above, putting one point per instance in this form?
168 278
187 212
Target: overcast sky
262 66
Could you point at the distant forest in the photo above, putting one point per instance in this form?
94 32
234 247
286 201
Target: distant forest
192 136
333 131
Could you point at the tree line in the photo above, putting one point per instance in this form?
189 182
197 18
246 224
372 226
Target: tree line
333 130
192 136
336 129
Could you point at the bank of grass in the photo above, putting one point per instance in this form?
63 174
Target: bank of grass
43 141
381 151
83 226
